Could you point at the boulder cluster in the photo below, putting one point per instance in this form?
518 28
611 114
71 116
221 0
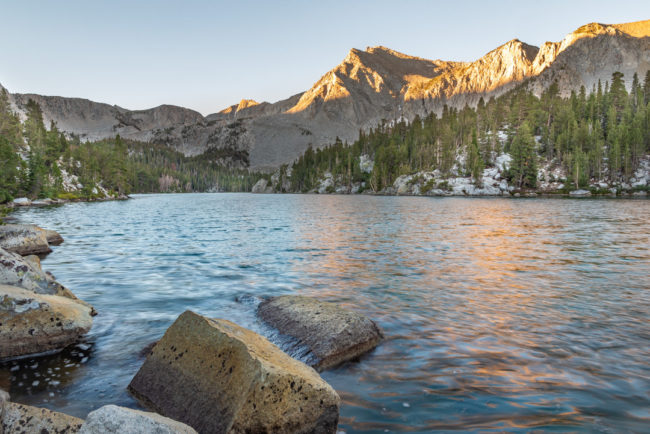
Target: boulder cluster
37 314
205 375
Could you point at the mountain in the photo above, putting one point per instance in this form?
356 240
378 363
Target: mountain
365 88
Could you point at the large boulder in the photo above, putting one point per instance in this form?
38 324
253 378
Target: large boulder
24 239
19 418
36 323
221 378
112 419
332 334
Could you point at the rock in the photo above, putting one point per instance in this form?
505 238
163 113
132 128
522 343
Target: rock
366 164
639 193
42 202
260 186
113 419
26 273
639 183
19 418
218 377
34 261
502 162
53 237
24 239
36 323
402 184
326 184
332 334
580 193
4 400
22 201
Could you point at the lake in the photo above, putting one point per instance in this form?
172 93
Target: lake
499 314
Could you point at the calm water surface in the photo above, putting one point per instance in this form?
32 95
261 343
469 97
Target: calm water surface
500 315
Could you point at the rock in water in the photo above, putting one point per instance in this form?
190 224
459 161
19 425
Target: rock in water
112 419
332 334
24 239
221 378
53 237
18 418
36 323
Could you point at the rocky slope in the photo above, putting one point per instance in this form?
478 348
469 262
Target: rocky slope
365 88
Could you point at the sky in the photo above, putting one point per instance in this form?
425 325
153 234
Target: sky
207 55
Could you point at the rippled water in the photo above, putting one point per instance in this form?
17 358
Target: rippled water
500 314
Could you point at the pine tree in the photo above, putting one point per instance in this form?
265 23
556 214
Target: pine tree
523 167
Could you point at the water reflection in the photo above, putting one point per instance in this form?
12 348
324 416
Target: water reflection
500 315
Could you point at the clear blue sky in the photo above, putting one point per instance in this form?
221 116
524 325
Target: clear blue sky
207 55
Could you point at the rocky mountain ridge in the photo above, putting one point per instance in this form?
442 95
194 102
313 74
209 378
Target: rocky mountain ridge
368 86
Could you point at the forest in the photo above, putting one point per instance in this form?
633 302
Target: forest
591 136
598 135
35 161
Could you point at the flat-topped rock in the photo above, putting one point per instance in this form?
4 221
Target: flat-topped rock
19 418
112 419
221 378
332 334
24 239
36 323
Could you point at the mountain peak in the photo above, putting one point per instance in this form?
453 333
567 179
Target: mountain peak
515 49
243 104
246 103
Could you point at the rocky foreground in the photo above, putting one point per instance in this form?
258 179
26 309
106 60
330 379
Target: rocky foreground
37 314
205 375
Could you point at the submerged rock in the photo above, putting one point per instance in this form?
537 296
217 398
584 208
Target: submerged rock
24 239
219 377
36 323
112 419
332 334
19 418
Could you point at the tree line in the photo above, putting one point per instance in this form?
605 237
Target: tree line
591 136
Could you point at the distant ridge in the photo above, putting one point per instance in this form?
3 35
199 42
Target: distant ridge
367 86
